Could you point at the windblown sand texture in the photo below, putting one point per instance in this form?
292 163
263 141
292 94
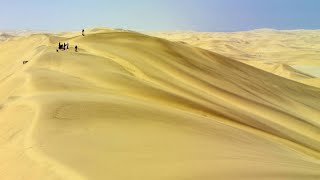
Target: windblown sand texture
293 54
129 106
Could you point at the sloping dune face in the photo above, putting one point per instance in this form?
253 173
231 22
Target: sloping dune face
293 54
130 106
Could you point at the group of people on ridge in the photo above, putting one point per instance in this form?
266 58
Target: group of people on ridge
65 46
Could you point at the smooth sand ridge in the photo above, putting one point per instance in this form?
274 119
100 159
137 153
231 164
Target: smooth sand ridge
131 106
293 54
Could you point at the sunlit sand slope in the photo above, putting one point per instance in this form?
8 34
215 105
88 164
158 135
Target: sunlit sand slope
130 106
296 50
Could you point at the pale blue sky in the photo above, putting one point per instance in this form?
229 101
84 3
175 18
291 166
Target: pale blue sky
160 15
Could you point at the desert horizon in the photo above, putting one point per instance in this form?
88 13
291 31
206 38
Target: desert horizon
154 90
126 101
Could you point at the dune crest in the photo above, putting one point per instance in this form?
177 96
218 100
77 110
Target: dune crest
265 49
132 106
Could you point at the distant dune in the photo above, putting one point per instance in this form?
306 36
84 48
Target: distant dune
267 49
137 107
5 36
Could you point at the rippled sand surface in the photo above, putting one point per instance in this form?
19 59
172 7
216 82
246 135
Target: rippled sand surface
132 106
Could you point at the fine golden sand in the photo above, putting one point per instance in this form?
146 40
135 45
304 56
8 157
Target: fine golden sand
129 106
293 54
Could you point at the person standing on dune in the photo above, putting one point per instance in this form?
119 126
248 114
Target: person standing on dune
76 48
82 32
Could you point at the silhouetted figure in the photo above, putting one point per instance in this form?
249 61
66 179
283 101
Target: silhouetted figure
60 46
76 48
82 32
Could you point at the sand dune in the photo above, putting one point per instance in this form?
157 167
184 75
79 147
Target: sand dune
131 106
5 36
266 49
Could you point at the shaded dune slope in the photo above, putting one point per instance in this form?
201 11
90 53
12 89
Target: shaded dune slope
290 54
133 106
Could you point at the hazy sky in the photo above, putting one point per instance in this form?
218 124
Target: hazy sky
160 15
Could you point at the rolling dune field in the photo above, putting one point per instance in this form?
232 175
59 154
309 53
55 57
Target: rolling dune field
293 54
134 106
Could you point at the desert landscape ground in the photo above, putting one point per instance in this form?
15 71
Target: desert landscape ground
133 106
293 54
